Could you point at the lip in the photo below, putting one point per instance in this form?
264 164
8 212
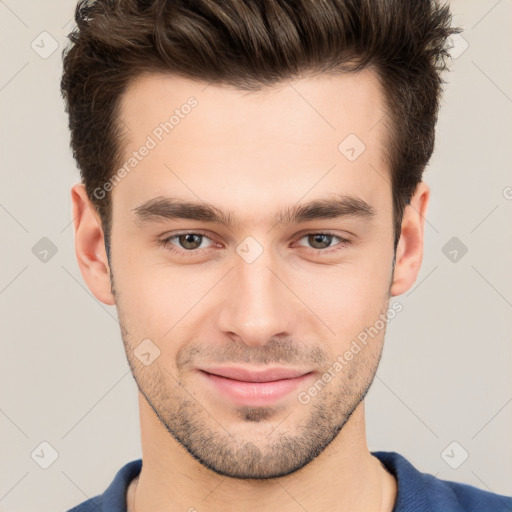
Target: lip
244 375
257 388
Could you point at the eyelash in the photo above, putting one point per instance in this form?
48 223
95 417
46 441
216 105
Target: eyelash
168 246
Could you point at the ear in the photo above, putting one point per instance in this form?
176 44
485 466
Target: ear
409 252
90 246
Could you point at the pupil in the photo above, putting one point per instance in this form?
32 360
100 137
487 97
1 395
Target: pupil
190 244
318 238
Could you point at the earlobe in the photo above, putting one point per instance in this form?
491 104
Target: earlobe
90 246
409 251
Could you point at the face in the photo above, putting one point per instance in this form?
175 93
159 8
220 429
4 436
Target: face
253 235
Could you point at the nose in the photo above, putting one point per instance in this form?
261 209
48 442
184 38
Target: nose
258 305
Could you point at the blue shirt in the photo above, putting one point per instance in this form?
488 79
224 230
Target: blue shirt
417 492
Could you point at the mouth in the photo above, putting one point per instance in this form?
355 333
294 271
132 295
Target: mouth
256 388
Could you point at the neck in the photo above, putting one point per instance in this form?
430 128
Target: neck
345 476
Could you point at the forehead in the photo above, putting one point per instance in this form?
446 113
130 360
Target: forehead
349 101
225 145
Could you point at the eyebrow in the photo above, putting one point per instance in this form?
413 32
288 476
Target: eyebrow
167 208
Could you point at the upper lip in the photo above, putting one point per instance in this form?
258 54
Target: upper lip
245 375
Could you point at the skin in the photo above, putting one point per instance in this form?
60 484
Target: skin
254 154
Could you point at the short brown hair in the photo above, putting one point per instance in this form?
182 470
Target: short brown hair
250 44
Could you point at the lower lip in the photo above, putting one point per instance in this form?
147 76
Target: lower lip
254 393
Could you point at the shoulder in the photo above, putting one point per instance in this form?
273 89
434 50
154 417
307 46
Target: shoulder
422 492
91 505
114 498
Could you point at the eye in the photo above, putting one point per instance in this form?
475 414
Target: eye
321 242
188 242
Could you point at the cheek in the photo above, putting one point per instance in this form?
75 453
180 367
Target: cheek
158 298
350 296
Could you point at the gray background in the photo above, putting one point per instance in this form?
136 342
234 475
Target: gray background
445 375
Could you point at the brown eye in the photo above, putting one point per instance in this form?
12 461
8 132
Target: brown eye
190 241
322 243
320 240
181 243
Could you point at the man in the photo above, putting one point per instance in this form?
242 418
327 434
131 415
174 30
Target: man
251 199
